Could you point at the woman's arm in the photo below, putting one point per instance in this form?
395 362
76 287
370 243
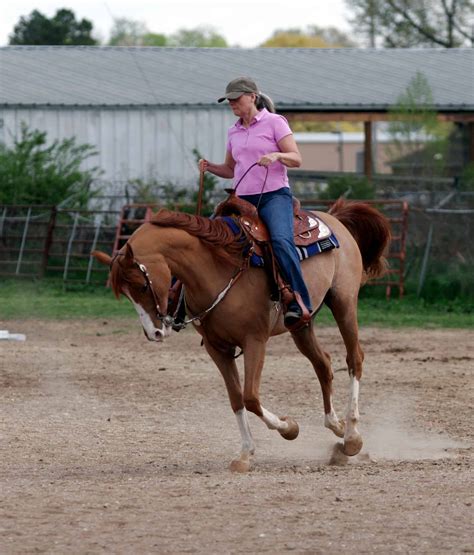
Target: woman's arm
289 154
225 170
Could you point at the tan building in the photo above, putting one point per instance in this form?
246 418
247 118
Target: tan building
342 152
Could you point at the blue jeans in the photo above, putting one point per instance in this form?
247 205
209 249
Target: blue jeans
276 211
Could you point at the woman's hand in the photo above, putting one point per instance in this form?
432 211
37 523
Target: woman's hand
269 158
203 165
225 170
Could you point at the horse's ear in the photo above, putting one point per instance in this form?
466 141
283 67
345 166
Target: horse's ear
129 257
102 257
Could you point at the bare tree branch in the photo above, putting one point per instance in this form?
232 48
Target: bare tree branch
422 30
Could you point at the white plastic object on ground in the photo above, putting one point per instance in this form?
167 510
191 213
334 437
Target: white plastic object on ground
6 335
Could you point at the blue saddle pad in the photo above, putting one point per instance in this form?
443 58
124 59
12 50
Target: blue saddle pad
323 245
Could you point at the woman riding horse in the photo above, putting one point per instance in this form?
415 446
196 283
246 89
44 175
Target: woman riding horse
260 136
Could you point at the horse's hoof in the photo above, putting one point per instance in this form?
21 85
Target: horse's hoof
293 429
240 465
353 445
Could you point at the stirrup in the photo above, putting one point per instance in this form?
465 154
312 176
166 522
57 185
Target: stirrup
296 318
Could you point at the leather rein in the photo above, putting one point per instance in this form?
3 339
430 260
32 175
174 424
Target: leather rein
264 181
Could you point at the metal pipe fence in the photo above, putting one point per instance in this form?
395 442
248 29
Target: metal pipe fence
44 241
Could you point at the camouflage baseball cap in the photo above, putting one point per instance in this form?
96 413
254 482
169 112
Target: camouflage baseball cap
236 88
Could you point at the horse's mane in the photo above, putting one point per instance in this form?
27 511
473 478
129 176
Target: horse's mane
214 233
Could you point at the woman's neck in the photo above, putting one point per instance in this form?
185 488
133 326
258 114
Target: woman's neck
247 118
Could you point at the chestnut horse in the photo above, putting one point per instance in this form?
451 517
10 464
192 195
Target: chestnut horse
230 306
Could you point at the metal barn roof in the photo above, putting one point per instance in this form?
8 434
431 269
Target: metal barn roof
297 79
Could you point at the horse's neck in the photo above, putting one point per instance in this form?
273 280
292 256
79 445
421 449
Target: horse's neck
189 260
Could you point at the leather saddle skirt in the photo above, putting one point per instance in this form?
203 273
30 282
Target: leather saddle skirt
308 228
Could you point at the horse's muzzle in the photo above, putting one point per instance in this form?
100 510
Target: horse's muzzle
157 337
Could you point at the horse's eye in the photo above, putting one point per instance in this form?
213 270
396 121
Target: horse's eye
144 288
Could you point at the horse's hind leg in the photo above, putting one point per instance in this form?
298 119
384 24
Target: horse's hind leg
345 314
307 344
226 364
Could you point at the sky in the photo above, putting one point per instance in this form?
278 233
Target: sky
245 23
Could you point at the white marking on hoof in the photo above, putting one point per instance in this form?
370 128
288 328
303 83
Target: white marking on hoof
248 445
352 438
272 421
332 422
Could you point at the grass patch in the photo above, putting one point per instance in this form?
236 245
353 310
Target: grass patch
47 299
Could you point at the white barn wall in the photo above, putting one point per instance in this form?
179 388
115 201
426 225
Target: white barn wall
132 142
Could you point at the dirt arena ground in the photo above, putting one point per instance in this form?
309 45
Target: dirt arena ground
111 444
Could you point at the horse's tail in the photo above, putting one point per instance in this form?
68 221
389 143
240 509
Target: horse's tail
371 230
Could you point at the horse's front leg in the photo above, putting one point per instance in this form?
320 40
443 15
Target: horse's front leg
254 356
226 364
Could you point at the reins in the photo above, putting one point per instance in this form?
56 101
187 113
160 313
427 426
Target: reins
170 320
264 181
199 318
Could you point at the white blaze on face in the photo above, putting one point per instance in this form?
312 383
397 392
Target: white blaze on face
152 332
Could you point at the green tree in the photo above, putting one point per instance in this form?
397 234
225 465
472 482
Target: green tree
311 37
407 23
62 28
128 32
202 36
154 39
419 141
31 172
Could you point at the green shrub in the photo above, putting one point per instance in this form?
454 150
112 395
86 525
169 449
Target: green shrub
466 183
31 172
348 187
173 196
140 191
448 282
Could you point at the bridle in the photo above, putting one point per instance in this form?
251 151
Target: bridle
149 285
169 320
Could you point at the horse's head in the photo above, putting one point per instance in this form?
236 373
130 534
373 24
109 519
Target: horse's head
146 282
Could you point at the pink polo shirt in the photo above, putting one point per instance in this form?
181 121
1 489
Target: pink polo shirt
248 145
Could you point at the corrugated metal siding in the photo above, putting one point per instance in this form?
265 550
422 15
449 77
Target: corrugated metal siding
132 142
296 78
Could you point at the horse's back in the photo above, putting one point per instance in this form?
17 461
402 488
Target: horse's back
338 269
